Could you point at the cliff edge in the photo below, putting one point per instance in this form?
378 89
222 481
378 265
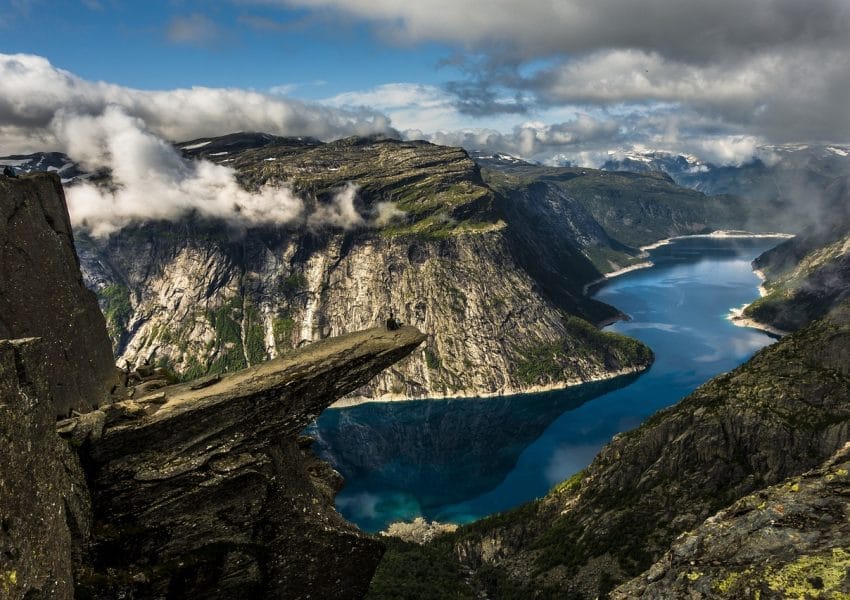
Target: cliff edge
42 293
203 489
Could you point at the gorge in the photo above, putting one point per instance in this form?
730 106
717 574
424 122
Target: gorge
460 460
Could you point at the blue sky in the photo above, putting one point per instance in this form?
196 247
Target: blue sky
162 45
552 80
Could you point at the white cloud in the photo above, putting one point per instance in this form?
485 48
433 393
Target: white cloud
150 180
339 212
408 105
32 92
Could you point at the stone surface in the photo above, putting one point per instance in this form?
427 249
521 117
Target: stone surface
210 492
42 293
790 540
43 498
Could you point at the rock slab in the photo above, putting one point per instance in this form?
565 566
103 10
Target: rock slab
42 293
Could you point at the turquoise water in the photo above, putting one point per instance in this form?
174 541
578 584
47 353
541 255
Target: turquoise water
459 460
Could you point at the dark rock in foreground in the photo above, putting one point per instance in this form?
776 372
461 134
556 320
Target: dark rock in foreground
202 490
788 541
42 488
42 293
208 493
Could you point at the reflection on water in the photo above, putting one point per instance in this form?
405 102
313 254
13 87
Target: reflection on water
459 460
424 455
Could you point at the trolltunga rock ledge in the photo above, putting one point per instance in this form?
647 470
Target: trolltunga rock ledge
205 490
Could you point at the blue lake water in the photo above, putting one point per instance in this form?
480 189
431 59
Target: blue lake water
459 460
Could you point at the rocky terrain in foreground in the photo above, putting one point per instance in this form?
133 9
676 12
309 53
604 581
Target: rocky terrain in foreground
203 489
782 542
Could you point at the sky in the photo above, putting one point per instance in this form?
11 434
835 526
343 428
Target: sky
549 80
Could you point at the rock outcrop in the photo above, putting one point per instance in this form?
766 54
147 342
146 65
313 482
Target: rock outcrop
790 540
42 294
43 496
205 490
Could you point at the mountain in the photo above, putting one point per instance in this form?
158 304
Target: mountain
629 209
810 274
150 490
771 420
787 186
492 264
44 162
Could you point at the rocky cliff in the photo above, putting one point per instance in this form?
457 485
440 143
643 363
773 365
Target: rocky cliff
489 266
777 416
791 540
810 274
44 503
203 489
42 293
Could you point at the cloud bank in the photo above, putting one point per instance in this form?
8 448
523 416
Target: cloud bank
777 70
124 130
151 181
33 92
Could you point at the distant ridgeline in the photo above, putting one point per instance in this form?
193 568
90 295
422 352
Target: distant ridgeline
490 259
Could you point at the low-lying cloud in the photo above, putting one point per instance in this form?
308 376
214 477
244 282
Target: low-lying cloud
33 92
124 131
150 180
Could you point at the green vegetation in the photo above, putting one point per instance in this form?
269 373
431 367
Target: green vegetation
255 336
555 361
225 320
294 282
432 361
570 485
423 572
282 327
117 310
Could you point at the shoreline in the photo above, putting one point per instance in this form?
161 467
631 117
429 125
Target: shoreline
718 234
641 265
738 320
505 391
736 316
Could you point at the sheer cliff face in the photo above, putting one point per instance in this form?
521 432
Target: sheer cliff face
35 238
490 289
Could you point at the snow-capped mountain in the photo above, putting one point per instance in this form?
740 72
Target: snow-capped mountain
55 162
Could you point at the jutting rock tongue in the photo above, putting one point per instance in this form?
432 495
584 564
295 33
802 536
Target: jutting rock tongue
205 490
42 293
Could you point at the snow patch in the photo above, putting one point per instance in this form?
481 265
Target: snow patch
196 146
